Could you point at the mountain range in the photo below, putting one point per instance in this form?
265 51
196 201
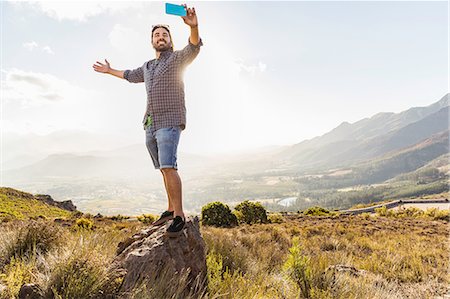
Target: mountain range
368 151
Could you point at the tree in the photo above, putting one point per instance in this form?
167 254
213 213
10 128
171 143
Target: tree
218 214
251 212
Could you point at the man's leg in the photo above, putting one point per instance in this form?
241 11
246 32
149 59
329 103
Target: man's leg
170 204
173 187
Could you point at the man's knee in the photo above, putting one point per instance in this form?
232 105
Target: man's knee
168 170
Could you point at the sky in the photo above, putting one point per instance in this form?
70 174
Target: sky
269 73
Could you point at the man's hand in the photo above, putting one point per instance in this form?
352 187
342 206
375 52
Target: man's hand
191 17
102 68
107 69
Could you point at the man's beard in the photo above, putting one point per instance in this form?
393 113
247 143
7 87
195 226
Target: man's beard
162 47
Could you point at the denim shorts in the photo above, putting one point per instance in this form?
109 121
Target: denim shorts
162 146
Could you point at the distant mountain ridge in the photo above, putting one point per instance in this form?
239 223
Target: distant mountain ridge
369 138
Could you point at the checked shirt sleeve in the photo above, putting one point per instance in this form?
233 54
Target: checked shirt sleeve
188 53
134 76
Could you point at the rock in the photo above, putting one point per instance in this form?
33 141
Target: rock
151 255
30 291
65 205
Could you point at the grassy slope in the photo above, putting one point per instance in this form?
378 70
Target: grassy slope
402 257
20 205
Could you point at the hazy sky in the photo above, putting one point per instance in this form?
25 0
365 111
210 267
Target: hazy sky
269 73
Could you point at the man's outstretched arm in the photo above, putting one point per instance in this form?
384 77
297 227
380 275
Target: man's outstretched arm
134 76
107 69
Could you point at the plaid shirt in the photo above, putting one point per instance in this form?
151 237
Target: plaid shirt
163 79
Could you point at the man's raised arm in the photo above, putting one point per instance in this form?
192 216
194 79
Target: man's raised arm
191 20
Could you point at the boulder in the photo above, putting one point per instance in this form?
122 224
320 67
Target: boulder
151 256
30 291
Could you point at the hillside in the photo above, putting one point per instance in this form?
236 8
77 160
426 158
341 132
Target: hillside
317 257
15 204
343 152
366 129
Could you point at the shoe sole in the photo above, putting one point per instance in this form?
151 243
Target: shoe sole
162 221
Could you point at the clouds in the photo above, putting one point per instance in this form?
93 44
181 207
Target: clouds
31 46
79 11
242 67
31 89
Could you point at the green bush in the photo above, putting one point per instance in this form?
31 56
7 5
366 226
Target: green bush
437 214
147 218
218 214
408 212
84 223
119 217
276 218
383 211
251 212
316 211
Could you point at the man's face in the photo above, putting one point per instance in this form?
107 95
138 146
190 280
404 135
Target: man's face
161 40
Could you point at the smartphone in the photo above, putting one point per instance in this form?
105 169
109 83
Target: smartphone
173 9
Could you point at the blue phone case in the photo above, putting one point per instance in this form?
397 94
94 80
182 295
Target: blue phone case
173 9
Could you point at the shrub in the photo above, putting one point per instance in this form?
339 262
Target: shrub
218 214
35 237
365 216
16 273
316 211
276 218
84 223
298 267
408 212
82 275
119 217
252 212
146 218
437 214
383 211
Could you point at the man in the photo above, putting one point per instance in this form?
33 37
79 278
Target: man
165 115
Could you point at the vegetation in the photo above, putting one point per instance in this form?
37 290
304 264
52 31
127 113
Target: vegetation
251 212
334 199
316 211
392 257
218 214
17 207
84 223
433 213
400 253
147 218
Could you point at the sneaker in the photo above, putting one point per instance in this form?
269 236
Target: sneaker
165 216
175 227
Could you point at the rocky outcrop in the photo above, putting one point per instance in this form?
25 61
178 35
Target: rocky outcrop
65 205
151 255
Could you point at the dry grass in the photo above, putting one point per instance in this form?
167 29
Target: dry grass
401 257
